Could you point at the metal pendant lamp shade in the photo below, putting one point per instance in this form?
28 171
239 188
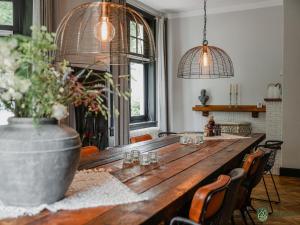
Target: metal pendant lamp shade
98 33
205 61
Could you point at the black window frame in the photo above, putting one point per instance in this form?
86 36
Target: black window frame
22 17
145 117
149 119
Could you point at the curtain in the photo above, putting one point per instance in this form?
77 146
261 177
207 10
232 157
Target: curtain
120 124
162 79
43 13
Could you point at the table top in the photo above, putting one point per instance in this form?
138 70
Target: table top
169 185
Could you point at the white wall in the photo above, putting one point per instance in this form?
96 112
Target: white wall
254 41
291 94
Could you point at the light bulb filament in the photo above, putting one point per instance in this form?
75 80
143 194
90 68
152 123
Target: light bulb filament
205 59
104 29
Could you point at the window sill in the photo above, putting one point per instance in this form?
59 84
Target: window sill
136 126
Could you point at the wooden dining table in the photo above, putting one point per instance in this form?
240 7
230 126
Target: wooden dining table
168 185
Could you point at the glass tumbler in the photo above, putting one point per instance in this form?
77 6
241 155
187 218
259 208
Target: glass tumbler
127 158
144 159
198 140
135 155
153 157
183 140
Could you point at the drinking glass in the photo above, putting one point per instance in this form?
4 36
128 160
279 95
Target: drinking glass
183 140
153 157
198 139
135 155
189 140
144 159
127 157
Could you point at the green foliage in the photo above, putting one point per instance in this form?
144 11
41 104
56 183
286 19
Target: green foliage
6 13
32 86
135 108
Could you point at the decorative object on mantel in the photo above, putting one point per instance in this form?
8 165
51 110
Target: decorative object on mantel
227 108
238 128
211 128
234 92
205 61
97 32
274 91
90 188
203 98
38 156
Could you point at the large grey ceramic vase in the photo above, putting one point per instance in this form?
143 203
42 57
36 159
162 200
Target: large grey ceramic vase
38 161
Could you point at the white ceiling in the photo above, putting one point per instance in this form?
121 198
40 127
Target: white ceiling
173 7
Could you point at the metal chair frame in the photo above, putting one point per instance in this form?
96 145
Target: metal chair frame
274 146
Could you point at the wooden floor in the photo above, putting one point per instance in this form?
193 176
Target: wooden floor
285 213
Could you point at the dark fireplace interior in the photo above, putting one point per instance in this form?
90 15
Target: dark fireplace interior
92 127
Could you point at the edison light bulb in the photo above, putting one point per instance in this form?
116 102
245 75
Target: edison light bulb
104 30
205 59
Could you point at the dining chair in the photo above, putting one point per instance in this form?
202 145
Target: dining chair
254 168
182 221
137 139
237 176
207 203
274 146
88 151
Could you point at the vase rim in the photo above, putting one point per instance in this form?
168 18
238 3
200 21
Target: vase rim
30 120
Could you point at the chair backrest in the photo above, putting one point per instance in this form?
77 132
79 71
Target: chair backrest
274 146
258 174
237 176
88 150
137 139
251 163
251 166
208 200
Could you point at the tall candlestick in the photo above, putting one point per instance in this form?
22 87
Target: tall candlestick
236 94
230 94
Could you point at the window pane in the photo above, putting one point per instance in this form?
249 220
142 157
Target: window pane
132 28
137 83
133 45
140 31
6 13
140 47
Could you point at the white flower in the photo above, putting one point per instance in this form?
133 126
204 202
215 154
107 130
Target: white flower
61 90
59 111
6 97
24 85
17 96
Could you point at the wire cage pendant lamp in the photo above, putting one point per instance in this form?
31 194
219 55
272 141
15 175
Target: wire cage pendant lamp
205 61
98 33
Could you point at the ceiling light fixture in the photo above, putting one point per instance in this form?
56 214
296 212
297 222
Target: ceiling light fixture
97 33
205 61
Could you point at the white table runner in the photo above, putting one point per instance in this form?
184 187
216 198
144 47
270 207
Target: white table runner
90 188
225 137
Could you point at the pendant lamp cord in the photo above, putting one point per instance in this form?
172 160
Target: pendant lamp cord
205 42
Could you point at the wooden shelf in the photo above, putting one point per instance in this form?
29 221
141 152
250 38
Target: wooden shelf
229 108
273 99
